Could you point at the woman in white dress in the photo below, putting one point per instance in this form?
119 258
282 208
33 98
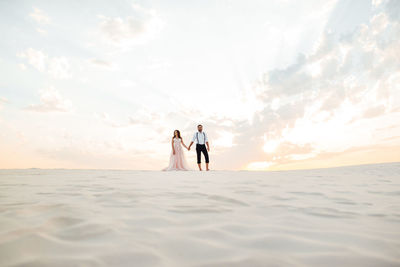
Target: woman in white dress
177 160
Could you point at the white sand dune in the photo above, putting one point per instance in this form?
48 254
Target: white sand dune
347 216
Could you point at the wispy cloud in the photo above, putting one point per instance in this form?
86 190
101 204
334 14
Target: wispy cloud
41 31
39 16
51 101
57 67
301 83
327 95
132 30
142 117
100 62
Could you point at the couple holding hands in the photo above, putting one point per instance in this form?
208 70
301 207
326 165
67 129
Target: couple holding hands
177 161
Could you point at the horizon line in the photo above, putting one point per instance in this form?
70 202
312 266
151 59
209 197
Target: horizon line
244 170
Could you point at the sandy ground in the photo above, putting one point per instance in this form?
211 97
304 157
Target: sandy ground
348 216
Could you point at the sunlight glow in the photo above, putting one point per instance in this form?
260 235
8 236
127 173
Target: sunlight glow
270 144
105 85
224 140
258 166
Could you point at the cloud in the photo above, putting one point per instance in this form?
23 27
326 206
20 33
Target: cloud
142 117
392 8
35 58
103 64
132 30
100 62
39 16
74 149
105 117
22 66
145 116
322 103
41 31
374 111
326 97
50 101
58 67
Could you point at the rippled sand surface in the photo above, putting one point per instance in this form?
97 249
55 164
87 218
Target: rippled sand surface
347 216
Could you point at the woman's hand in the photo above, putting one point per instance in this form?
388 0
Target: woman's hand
173 152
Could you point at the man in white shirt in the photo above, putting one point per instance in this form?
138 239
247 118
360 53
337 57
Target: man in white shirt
201 141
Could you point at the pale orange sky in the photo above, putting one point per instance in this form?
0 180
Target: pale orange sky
276 84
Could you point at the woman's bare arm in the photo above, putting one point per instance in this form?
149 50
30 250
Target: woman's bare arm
184 144
172 143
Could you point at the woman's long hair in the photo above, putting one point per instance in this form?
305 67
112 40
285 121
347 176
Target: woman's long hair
179 134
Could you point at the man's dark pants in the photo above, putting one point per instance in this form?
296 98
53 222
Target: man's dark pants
199 149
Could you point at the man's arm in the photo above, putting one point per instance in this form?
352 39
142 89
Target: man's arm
191 143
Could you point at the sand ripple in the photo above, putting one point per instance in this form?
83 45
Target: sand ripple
347 216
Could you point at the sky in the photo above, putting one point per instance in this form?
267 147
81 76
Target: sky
276 84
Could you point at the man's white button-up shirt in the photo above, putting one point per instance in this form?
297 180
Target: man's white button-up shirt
200 138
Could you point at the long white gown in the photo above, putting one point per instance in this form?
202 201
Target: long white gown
178 161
